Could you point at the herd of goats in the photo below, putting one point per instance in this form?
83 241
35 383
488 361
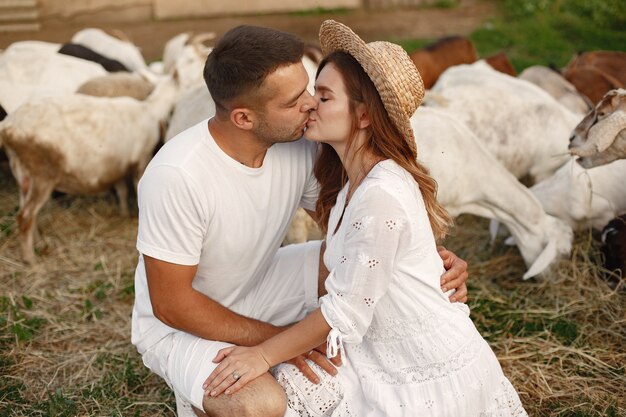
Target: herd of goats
85 116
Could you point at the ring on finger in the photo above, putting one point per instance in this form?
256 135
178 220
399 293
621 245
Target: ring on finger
308 355
236 375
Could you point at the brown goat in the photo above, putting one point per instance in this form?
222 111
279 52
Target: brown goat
595 73
432 60
500 62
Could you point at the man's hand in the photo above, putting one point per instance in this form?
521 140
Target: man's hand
455 276
317 355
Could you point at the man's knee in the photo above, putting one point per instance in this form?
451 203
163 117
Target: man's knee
262 397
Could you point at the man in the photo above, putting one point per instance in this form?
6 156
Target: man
214 205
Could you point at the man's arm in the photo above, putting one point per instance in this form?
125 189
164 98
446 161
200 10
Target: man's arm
176 303
455 276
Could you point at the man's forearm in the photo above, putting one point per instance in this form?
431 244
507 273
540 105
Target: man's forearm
199 315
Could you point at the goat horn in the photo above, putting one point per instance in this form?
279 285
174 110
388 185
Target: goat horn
120 35
202 37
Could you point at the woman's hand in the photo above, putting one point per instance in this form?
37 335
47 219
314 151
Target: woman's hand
238 366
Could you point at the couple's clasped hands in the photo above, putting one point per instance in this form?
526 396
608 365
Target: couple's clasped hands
239 365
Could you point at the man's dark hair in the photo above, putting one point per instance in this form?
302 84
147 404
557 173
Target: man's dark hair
243 57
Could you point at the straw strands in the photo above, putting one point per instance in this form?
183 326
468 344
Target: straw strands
65 323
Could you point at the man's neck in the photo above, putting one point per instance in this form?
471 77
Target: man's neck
241 145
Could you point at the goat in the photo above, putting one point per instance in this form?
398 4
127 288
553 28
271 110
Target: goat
524 127
471 180
80 144
614 246
174 47
584 197
594 73
80 51
600 137
432 60
122 50
592 83
501 63
28 73
187 55
118 84
558 87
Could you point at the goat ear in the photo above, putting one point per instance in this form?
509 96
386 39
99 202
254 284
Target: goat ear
544 259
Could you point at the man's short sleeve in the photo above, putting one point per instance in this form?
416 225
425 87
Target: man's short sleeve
173 216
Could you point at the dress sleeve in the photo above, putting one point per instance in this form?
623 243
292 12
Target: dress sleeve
173 216
374 232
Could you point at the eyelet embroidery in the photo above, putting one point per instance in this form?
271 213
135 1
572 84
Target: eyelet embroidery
367 261
362 223
397 224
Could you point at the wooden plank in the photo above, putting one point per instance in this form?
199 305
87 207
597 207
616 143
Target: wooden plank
20 27
18 15
6 4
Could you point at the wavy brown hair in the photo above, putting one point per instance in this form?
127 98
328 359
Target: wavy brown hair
385 142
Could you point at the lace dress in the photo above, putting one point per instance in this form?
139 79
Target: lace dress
407 351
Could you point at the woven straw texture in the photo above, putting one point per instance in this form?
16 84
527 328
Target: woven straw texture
389 67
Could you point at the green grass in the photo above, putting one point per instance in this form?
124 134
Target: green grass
544 38
320 11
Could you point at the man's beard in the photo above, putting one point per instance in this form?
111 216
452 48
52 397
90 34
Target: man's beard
277 134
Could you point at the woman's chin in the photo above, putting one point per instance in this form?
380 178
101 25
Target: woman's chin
310 136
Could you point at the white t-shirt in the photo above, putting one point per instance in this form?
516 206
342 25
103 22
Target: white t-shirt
198 206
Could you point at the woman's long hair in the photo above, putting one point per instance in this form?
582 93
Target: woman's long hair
385 142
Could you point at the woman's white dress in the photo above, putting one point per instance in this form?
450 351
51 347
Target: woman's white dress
407 351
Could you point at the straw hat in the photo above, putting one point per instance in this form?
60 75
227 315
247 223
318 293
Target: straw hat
389 67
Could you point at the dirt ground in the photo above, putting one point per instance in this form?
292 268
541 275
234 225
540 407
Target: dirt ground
391 24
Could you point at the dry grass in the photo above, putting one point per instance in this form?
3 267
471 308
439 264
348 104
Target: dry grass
65 323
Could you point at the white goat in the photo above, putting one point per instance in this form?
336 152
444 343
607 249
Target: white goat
195 106
524 127
583 197
600 137
123 51
35 46
471 180
558 87
32 72
80 144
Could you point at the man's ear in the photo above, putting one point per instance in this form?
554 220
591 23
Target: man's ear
364 117
242 118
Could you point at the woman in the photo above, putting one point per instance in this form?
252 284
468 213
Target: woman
407 350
